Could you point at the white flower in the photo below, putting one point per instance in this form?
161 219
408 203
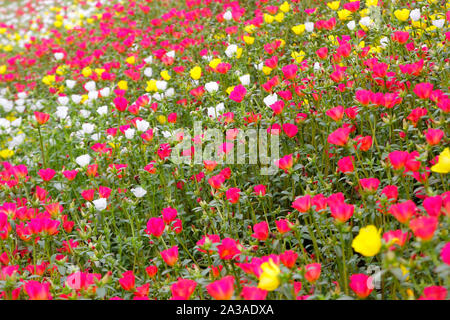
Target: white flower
16 123
351 25
415 14
63 100
384 42
100 204
213 112
231 50
83 160
90 86
95 136
270 99
139 192
161 85
22 95
129 133
76 98
70 83
61 112
259 66
148 72
85 113
169 92
316 66
59 55
166 134
211 86
142 125
171 54
438 23
366 21
102 110
228 15
87 128
309 26
20 109
105 92
148 60
92 95
245 79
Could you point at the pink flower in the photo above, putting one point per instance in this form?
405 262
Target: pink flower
37 291
290 129
261 231
361 285
155 227
170 256
222 289
238 93
232 195
46 174
127 281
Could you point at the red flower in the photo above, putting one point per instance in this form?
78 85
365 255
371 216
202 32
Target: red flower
169 214
290 71
41 117
312 272
46 174
285 163
170 256
260 190
403 211
222 289
423 90
261 231
283 225
361 285
155 227
434 293
302 204
434 136
253 293
288 258
228 249
369 185
232 195
290 129
238 93
396 237
424 227
342 211
336 113
339 137
345 165
127 281
37 291
183 289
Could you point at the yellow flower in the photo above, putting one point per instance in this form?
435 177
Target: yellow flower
130 60
6 153
196 72
298 29
279 17
250 28
229 89
266 70
214 63
368 241
371 3
99 71
402 15
344 14
2 69
285 7
58 24
48 80
269 280
161 119
443 165
333 5
268 18
123 85
87 71
151 86
249 40
238 53
298 56
165 75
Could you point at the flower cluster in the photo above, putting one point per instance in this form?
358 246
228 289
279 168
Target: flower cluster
97 98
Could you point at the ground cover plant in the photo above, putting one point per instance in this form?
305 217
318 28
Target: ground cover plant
215 149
